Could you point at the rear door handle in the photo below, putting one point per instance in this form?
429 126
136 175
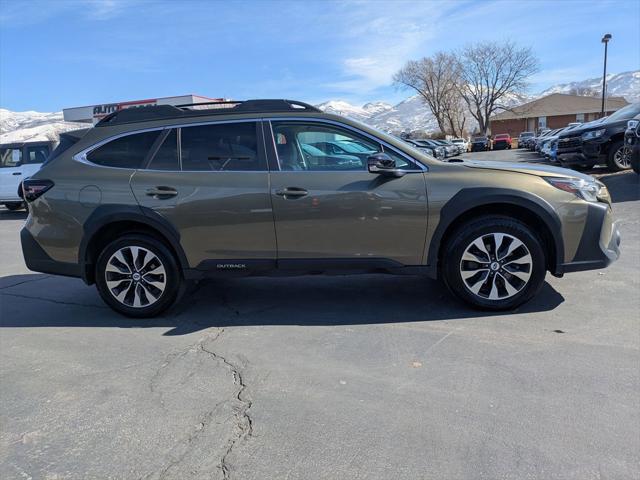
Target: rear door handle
16 173
293 192
161 192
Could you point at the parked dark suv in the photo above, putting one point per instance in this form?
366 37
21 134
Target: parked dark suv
632 140
152 197
480 144
599 142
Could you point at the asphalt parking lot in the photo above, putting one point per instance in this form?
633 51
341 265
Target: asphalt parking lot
375 377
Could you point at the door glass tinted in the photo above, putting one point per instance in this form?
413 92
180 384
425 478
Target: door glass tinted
10 157
317 147
37 154
221 147
124 152
166 158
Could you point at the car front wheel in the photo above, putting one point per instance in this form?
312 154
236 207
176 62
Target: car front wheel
494 263
619 157
137 276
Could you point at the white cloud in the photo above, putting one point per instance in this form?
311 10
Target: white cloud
380 39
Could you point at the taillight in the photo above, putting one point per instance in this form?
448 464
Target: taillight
32 189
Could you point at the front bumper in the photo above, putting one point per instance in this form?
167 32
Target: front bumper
600 242
576 151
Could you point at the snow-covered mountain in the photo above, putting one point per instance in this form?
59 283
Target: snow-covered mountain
408 115
413 114
625 85
33 126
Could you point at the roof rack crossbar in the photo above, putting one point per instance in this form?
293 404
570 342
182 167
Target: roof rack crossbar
161 112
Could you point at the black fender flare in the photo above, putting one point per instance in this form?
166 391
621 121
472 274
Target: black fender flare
471 198
106 214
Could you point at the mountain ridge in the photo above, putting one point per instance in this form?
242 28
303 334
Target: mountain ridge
408 115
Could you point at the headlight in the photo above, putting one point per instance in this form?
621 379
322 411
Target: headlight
591 191
593 134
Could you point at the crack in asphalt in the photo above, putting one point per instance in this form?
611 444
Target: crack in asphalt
31 280
244 422
59 302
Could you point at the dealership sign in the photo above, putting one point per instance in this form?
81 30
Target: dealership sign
94 113
100 111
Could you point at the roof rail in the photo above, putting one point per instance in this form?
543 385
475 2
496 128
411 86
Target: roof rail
161 112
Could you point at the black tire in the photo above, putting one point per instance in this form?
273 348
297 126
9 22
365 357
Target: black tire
13 206
635 163
172 277
614 165
484 226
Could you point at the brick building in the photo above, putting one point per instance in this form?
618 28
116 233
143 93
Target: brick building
553 111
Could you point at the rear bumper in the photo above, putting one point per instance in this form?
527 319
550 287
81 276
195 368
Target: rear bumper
37 259
600 242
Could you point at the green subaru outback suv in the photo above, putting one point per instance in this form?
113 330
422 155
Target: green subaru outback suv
153 197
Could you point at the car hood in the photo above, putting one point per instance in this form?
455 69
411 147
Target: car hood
527 168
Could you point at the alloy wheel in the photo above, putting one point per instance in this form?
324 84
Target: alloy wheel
496 266
622 157
135 277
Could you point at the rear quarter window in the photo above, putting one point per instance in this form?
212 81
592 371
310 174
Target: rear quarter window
124 152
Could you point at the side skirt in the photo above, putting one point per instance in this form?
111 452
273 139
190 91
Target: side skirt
305 266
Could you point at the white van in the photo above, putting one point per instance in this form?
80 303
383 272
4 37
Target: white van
17 162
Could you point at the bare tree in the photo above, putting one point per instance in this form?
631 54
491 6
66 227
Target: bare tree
584 92
490 73
436 79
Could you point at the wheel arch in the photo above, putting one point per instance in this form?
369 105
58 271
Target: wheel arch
523 206
613 139
109 221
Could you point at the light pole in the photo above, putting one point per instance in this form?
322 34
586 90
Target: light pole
605 40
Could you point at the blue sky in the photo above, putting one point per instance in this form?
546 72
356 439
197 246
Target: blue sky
62 53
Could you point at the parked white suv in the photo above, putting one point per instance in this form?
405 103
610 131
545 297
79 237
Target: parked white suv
17 162
461 143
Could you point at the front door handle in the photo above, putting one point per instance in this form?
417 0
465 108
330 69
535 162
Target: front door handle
293 192
16 173
162 193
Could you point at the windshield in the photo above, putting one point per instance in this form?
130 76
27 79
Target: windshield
626 113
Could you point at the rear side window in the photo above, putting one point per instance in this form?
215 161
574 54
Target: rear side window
10 157
66 142
166 158
37 154
124 152
221 147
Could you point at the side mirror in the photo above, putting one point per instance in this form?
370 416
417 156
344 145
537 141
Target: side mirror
383 164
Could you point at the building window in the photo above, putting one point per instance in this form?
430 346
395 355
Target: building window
580 117
542 123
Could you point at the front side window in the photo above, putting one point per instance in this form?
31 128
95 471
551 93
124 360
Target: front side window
124 152
221 147
10 157
317 147
37 154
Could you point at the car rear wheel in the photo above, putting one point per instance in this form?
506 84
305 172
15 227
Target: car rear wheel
619 157
494 263
137 276
13 206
